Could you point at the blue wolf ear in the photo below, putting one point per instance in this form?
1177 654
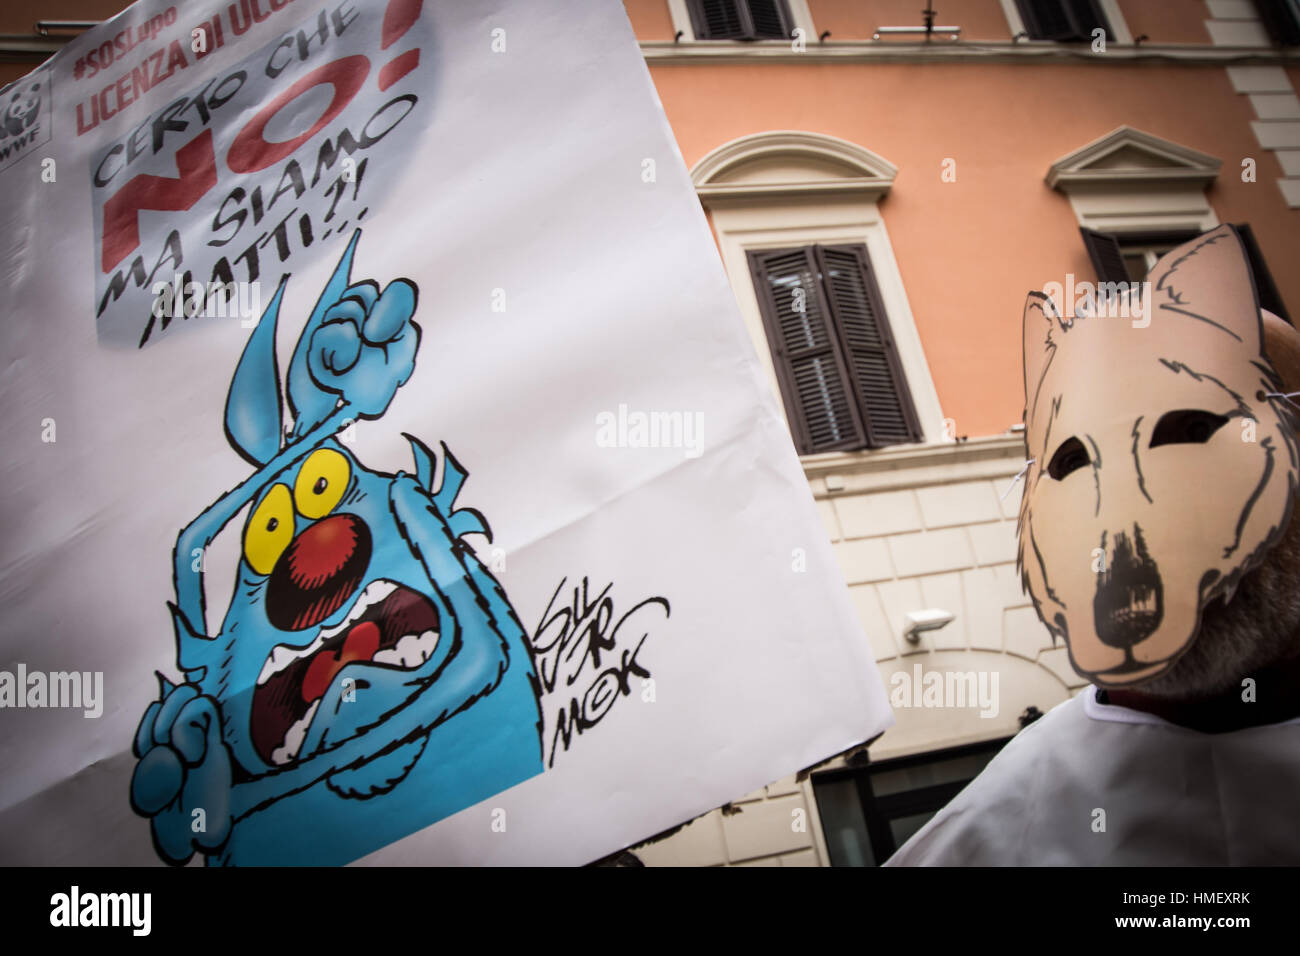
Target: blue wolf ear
254 409
308 404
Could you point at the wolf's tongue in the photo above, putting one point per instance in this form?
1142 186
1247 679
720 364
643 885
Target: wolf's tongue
360 645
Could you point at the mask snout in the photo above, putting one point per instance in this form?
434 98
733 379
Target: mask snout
1128 606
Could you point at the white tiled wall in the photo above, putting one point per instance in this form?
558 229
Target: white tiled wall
948 541
1277 127
770 827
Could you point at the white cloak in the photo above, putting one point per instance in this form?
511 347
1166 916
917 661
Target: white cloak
1170 796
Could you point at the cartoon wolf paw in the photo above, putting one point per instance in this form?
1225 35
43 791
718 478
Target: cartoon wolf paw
364 348
182 781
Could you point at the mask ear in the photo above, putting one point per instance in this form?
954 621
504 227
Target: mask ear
1208 279
254 410
1042 323
308 404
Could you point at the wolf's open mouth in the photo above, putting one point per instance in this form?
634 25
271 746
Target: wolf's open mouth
389 624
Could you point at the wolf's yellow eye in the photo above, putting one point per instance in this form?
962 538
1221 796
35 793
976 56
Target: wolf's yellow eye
321 483
270 530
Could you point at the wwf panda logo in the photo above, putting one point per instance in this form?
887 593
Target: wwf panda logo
22 108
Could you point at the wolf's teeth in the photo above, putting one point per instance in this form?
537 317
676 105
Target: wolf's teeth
282 656
294 737
337 629
426 644
411 651
378 591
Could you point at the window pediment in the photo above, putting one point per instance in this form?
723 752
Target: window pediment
1129 156
791 163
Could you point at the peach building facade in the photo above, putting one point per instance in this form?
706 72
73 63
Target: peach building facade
965 169
882 201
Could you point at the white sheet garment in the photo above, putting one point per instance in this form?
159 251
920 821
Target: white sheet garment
1171 796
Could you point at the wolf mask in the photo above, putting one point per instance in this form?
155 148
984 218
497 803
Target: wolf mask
1163 460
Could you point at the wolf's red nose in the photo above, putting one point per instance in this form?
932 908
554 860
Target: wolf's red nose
322 567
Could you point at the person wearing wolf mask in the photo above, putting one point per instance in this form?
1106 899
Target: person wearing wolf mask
1157 542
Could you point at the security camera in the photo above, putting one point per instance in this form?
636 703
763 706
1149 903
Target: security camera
930 619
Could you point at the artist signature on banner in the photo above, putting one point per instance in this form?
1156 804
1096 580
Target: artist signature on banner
586 656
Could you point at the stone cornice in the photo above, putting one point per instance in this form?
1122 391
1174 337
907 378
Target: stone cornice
866 51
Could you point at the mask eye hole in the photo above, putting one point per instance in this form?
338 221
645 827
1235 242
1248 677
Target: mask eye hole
1186 426
1069 457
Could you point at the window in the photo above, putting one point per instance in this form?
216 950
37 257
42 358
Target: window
1281 19
867 813
836 361
1129 256
820 189
1141 255
1063 20
740 19
1119 258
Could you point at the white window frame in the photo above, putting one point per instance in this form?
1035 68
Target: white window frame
682 24
1150 253
1114 18
805 210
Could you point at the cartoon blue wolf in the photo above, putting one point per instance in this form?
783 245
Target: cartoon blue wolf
370 676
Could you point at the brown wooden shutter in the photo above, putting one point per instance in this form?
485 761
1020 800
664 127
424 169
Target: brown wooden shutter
1269 296
1063 20
1086 16
740 19
1106 255
805 350
1281 20
1045 20
869 349
770 19
716 19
